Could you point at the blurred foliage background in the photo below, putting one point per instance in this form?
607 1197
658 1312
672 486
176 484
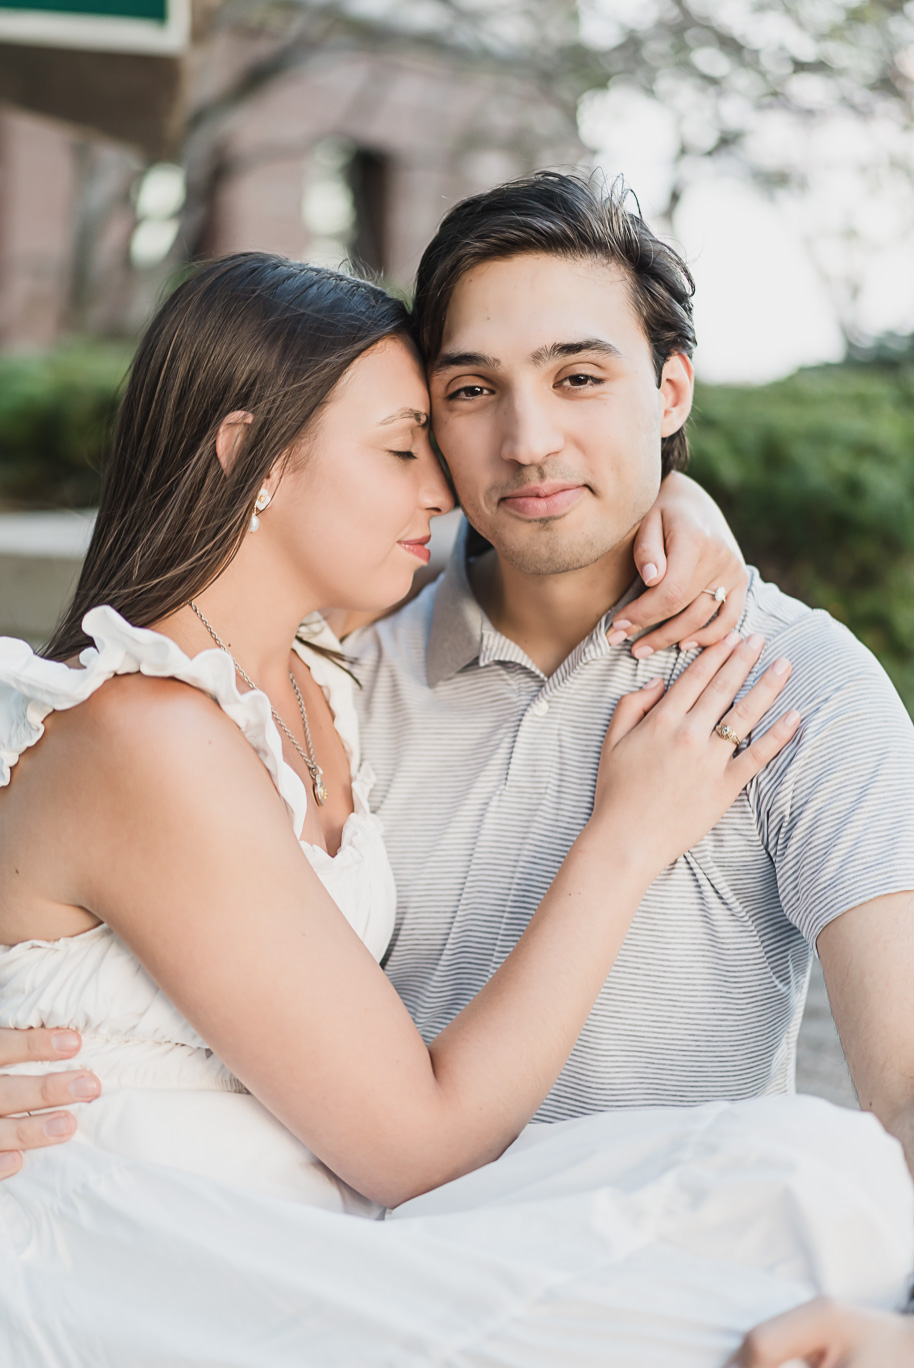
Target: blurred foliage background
815 472
56 414
816 475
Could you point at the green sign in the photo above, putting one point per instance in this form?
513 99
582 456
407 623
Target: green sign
153 26
156 10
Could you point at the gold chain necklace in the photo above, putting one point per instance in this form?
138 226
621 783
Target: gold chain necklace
317 774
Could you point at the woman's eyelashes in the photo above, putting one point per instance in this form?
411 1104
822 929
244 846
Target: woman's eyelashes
403 455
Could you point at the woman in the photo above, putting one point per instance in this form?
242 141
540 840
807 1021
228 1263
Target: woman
272 457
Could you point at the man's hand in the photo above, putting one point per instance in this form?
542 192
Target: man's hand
21 1093
826 1335
683 547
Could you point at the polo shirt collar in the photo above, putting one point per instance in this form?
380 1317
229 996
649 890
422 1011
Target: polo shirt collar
458 622
461 633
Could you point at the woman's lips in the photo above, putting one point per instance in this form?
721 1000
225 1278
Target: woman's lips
419 549
543 501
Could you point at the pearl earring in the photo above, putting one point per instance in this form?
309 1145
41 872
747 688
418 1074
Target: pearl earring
263 500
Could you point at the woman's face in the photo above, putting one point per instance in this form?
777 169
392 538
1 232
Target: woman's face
350 513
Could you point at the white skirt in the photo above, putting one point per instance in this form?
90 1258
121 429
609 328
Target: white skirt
651 1238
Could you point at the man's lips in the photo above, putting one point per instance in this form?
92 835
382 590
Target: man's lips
545 500
418 548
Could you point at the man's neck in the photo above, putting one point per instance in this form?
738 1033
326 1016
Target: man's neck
549 615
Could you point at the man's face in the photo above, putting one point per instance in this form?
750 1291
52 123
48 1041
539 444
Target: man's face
546 407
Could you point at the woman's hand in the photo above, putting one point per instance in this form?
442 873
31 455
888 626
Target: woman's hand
666 776
826 1335
42 1093
683 548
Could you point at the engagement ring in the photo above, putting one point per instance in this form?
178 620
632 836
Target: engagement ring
728 734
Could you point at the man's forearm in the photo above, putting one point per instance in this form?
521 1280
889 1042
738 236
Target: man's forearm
867 957
901 1125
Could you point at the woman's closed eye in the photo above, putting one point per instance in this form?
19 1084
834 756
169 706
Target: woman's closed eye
403 455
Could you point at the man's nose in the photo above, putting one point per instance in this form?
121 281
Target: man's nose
529 434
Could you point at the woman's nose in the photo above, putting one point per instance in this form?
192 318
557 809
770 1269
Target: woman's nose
436 492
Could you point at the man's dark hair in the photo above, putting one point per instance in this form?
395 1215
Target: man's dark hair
570 216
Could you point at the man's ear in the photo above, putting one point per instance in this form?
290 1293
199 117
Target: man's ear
230 432
677 384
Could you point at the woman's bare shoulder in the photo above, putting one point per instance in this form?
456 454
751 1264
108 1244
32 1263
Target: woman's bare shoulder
146 765
104 772
134 722
124 700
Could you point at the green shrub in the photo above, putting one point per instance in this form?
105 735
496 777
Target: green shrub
56 410
816 474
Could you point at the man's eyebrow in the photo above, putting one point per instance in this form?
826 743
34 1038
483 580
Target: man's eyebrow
419 418
465 361
557 351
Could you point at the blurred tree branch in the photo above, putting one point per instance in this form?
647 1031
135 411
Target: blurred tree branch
727 58
723 70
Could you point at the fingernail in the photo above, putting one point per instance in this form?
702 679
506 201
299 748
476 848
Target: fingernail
58 1125
731 638
83 1088
792 718
755 642
9 1162
623 623
642 652
650 572
652 683
616 638
780 666
688 645
65 1042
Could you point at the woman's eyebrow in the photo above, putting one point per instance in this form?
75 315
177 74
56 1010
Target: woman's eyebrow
418 417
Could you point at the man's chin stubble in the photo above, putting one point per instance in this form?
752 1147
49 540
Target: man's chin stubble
549 554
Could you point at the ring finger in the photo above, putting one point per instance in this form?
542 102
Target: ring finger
717 696
686 626
746 714
722 622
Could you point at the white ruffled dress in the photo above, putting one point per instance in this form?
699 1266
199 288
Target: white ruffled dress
184 1226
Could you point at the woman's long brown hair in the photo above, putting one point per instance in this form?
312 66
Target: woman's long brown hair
248 332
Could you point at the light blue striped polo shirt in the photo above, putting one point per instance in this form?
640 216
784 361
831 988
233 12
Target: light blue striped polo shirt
485 775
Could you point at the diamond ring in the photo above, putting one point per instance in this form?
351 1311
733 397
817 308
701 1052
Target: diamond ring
728 734
719 594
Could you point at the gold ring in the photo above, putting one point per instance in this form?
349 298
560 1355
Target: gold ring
728 734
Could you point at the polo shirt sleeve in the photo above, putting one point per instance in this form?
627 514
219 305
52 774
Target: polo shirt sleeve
836 808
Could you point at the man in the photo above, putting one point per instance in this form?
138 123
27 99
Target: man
822 1332
558 334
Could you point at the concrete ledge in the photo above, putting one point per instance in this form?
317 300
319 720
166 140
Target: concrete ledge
40 556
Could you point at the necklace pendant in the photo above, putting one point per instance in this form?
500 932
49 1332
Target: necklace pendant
320 789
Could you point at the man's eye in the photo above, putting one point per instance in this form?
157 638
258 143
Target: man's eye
468 392
581 380
404 455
